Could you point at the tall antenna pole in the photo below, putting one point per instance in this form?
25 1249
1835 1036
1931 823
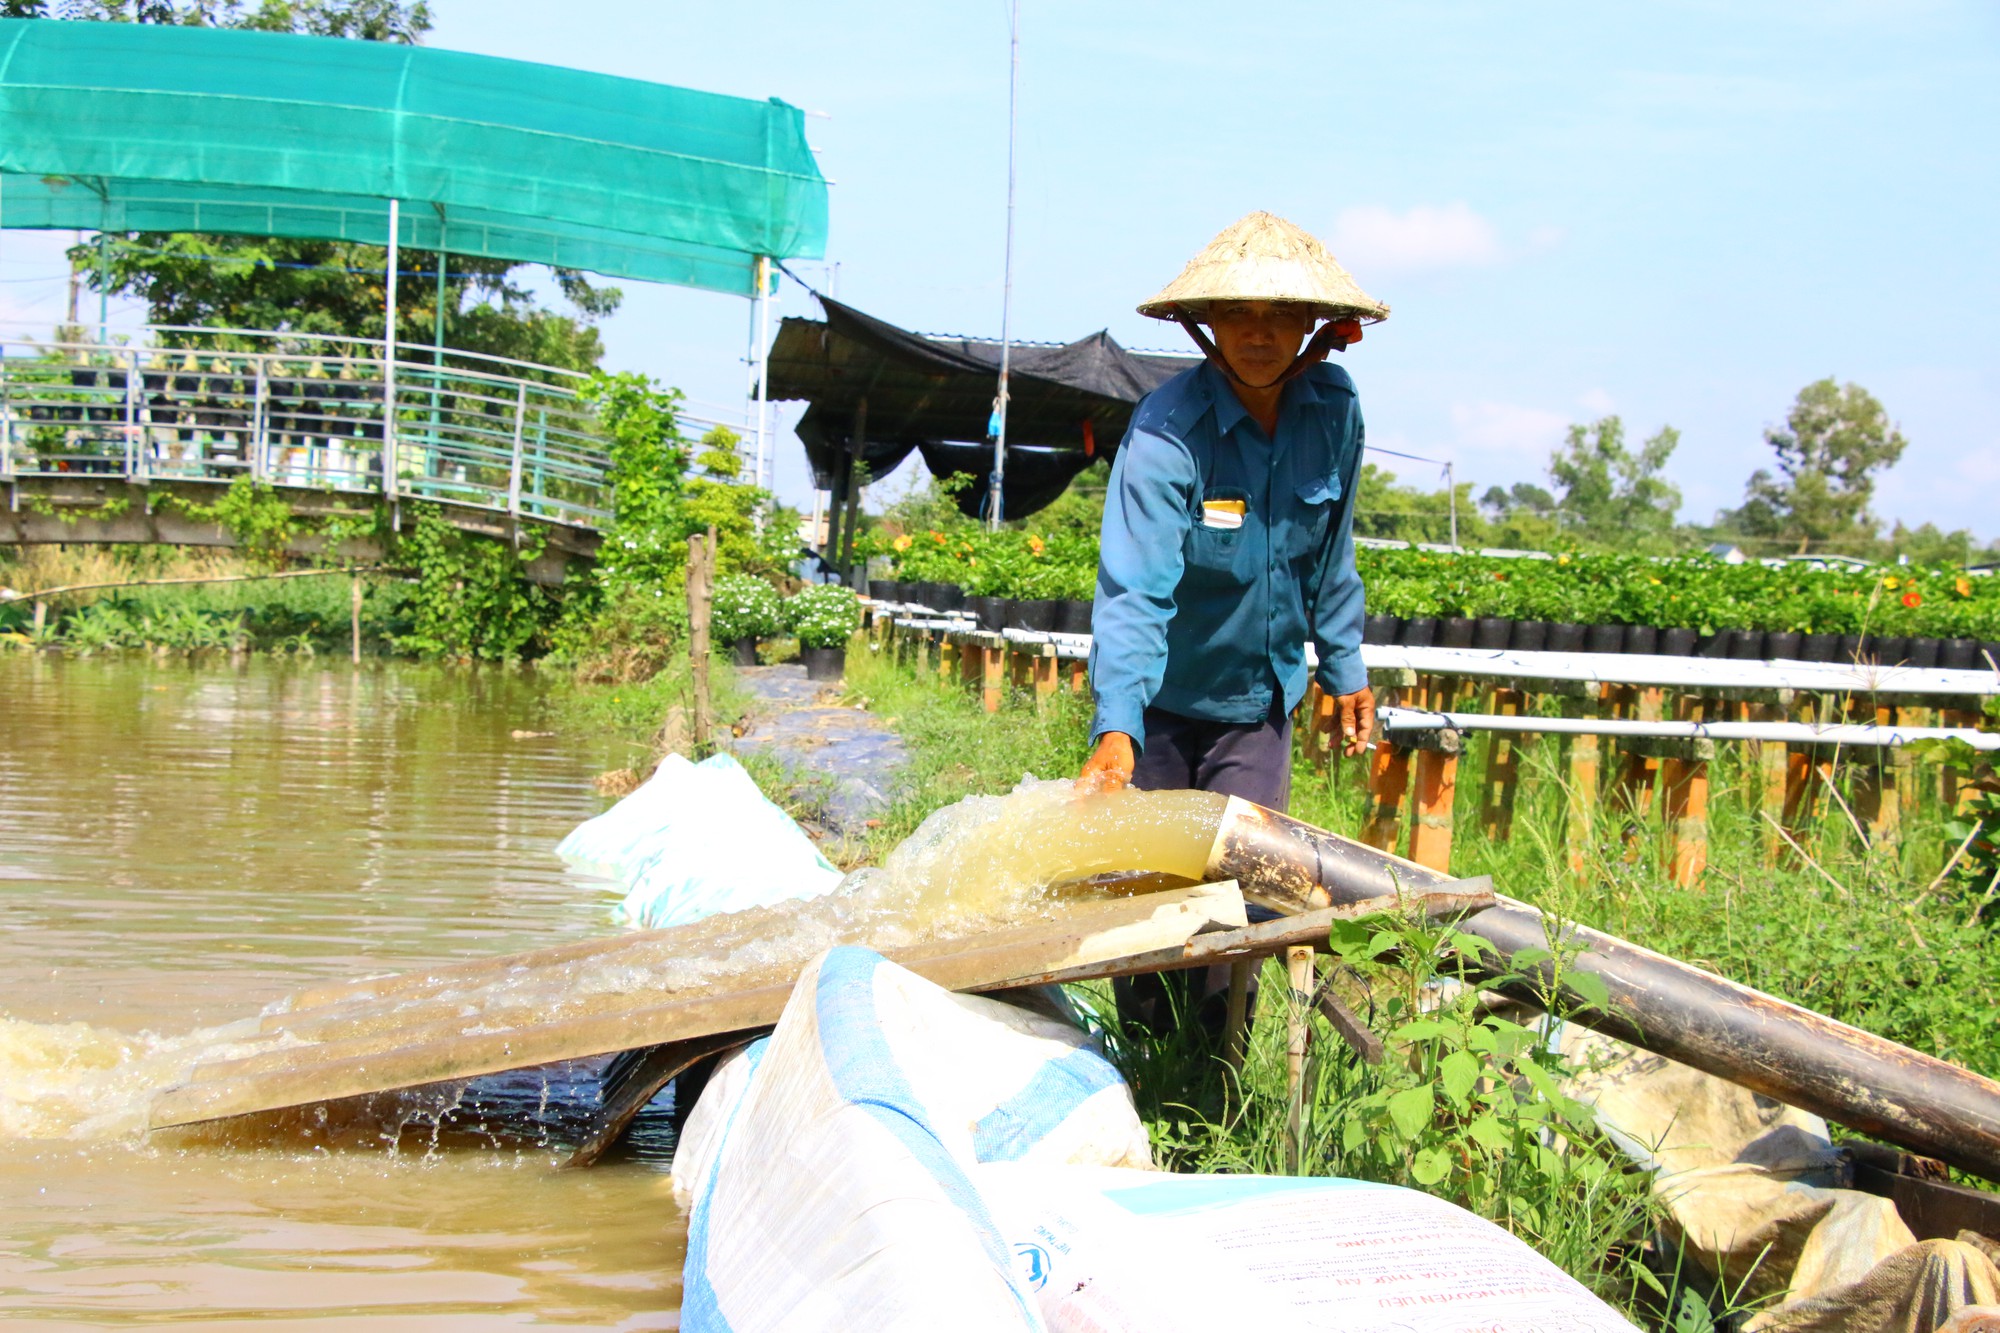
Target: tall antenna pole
995 506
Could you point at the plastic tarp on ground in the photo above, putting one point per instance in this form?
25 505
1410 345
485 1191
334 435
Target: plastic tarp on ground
147 127
895 1157
697 840
1067 405
1757 1196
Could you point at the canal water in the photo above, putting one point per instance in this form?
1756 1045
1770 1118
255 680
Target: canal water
182 844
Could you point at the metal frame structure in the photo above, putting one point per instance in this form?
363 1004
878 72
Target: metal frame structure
310 411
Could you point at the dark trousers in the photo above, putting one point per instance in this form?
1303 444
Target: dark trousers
1252 760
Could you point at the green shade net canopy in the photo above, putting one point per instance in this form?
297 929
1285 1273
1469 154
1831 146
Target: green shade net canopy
128 127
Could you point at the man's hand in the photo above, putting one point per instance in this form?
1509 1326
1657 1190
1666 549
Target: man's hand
1351 720
1109 766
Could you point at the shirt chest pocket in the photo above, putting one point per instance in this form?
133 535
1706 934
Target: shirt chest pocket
1216 544
1313 515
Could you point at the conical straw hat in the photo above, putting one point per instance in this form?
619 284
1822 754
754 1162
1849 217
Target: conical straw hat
1265 258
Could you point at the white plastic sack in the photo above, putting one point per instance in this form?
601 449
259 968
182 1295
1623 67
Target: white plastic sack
1108 1251
826 1169
695 841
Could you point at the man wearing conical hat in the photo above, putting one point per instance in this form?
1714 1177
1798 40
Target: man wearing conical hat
1228 539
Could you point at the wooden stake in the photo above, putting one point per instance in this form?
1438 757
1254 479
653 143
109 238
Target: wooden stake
1685 798
1079 676
1503 769
1775 760
701 551
355 619
1298 1033
1437 789
1388 785
995 687
1237 1017
1047 671
1583 777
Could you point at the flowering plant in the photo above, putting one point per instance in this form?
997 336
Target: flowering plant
745 607
823 615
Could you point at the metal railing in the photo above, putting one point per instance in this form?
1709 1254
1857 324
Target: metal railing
305 410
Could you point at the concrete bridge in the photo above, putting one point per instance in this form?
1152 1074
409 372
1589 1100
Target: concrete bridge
98 437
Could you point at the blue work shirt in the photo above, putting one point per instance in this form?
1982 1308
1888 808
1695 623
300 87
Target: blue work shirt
1211 621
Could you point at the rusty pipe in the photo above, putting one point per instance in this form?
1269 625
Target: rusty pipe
1781 1050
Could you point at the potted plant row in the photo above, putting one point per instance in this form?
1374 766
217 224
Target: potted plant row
1047 615
1754 645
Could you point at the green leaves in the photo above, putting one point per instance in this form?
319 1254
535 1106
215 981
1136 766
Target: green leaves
1410 1110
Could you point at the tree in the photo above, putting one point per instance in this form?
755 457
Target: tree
326 287
1385 508
1836 439
368 20
1523 516
336 288
1612 495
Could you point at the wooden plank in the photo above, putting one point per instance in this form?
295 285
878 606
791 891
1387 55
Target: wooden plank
1582 766
1503 769
1388 788
467 1042
1437 790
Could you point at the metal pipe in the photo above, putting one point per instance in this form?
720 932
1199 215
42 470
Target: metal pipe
389 356
995 499
1772 1047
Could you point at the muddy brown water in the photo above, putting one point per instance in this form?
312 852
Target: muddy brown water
182 844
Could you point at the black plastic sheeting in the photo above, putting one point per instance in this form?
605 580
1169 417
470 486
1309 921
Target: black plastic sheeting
1068 405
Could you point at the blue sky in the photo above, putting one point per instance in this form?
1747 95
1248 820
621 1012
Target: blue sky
1680 212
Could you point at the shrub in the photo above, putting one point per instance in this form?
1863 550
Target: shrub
745 607
823 615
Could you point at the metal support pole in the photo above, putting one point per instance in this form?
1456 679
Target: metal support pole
103 289
995 501
514 465
389 356
1451 497
766 464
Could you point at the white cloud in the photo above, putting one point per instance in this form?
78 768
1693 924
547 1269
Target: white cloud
1508 428
1374 239
1598 401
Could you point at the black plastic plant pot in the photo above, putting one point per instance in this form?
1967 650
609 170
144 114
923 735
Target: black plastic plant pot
1038 614
1604 639
924 595
1851 649
1564 637
1074 619
1958 654
1642 639
1890 649
1492 632
1747 645
1922 653
992 612
1783 645
951 597
1717 644
1381 629
1821 647
1418 632
1455 632
1677 642
824 663
1529 636
743 652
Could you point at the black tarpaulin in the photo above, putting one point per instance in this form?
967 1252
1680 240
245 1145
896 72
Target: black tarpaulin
1068 404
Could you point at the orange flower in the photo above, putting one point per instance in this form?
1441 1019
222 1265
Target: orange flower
902 543
1913 599
1036 544
1964 586
937 536
1498 577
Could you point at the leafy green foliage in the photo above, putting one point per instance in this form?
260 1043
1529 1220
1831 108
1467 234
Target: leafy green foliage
745 607
471 599
823 615
368 20
253 513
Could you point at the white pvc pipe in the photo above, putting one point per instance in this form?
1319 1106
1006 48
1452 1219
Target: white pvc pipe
1689 672
1789 733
